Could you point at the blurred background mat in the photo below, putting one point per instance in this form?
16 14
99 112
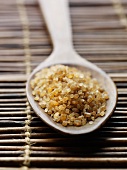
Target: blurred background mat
100 35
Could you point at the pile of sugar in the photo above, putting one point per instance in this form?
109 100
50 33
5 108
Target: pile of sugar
71 97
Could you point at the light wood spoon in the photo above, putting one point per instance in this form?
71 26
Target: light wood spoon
56 14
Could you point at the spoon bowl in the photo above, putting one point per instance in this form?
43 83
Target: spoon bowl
65 54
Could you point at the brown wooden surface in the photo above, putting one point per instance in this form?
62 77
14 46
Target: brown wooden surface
100 37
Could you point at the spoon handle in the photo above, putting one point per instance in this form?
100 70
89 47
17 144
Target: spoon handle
57 18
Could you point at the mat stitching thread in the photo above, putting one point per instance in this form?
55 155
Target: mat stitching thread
120 12
25 29
26 34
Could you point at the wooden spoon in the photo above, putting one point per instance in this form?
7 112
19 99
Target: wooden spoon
56 14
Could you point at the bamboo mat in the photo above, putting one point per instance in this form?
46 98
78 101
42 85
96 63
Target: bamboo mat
100 35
